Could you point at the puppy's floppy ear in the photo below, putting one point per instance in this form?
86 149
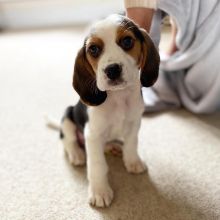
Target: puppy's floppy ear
84 81
150 61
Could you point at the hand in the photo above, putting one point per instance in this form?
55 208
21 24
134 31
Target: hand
141 16
172 48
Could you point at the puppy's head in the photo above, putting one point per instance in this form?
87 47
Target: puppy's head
113 55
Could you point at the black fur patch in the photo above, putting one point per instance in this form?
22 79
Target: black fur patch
61 134
78 115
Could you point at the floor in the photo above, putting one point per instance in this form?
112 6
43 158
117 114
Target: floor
181 150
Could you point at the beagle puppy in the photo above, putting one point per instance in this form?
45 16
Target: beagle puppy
115 61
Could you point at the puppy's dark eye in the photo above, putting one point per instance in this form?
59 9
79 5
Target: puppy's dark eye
94 50
127 43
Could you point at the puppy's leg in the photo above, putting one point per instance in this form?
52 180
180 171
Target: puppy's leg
100 193
75 154
131 159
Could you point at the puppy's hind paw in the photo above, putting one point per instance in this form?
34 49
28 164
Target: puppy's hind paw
77 157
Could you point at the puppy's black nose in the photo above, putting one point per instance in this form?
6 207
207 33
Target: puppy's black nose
113 71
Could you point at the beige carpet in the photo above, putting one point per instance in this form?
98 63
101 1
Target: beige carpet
182 150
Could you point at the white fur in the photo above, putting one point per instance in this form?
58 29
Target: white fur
74 153
106 30
119 117
52 123
123 110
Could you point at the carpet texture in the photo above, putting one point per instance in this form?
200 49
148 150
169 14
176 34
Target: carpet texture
181 150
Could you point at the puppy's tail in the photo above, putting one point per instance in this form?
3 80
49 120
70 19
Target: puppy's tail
52 123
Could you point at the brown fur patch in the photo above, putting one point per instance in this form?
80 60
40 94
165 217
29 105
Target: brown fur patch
93 40
84 79
135 51
148 58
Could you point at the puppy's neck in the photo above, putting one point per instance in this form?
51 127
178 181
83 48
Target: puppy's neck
121 95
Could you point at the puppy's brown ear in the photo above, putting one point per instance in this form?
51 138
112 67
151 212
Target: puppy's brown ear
84 81
150 61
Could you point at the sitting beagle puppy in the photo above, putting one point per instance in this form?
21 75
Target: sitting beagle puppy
116 60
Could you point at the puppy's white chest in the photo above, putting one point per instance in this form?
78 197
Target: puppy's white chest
118 123
123 113
112 120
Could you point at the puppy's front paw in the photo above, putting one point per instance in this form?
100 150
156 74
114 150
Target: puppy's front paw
135 166
100 196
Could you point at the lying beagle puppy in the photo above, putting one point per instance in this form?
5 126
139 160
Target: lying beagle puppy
116 60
